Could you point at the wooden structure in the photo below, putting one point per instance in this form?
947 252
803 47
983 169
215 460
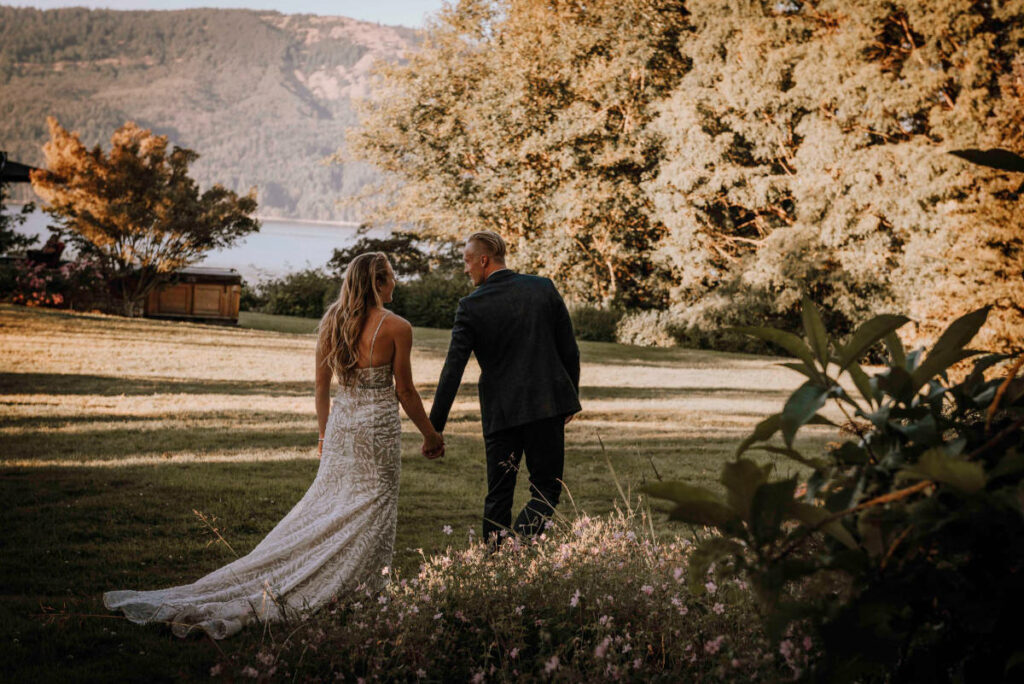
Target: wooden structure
198 293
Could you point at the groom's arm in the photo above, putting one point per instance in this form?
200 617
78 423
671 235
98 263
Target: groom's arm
459 350
565 340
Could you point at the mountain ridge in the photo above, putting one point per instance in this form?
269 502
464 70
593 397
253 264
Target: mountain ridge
263 97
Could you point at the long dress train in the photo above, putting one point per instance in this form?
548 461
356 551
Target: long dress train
339 536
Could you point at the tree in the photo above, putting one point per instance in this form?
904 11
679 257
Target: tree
806 154
529 117
10 240
411 256
135 209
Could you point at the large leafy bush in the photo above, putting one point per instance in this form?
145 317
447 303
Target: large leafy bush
904 544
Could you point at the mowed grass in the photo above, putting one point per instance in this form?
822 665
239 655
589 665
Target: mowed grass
115 431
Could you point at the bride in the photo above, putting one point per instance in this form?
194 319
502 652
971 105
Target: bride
341 534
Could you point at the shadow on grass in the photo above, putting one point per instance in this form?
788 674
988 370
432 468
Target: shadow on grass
113 443
106 385
76 384
249 418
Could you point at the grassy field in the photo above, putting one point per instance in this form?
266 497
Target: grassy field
115 431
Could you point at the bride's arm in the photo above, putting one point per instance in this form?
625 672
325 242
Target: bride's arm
404 387
323 396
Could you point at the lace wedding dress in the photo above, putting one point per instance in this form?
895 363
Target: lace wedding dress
339 536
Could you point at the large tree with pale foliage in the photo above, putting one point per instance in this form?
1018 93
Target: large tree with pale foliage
720 160
529 117
135 210
807 152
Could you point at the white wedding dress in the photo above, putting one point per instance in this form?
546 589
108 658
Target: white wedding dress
339 536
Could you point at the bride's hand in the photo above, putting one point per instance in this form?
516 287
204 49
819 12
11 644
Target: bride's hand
433 445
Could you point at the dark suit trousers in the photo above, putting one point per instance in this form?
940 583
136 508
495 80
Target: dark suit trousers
543 443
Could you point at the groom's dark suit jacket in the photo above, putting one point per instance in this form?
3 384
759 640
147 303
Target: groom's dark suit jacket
519 329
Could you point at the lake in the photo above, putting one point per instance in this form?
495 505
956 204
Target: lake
281 246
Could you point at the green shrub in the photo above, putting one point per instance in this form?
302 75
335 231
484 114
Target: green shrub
304 293
252 298
904 547
430 300
594 323
647 329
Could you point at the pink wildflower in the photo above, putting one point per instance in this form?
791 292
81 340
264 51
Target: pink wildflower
712 647
808 643
575 600
711 587
514 653
602 648
677 574
551 665
786 648
647 589
718 608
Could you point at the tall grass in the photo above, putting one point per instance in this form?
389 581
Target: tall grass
592 599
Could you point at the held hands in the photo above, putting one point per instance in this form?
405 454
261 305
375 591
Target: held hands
433 446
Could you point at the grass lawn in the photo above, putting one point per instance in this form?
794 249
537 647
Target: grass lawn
114 431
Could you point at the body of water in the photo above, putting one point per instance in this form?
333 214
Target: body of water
281 246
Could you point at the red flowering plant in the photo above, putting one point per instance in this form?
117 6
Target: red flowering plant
74 284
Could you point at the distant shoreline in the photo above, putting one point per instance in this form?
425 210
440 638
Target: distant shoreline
278 219
314 222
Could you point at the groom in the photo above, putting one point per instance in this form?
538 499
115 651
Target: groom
519 329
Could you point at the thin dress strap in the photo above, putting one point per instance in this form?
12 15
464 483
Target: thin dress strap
374 340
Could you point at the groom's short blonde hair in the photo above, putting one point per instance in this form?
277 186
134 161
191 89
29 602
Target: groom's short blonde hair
492 243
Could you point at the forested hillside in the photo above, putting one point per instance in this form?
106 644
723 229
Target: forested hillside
262 97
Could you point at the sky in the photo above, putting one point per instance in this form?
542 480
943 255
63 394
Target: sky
401 12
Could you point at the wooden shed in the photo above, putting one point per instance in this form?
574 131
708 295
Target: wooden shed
198 293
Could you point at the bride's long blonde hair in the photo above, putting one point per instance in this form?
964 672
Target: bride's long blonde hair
338 333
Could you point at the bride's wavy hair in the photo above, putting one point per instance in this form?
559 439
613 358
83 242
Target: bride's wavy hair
339 329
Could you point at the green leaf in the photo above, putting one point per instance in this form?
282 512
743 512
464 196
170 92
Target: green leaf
949 347
802 369
815 463
869 333
694 505
821 420
814 329
679 492
801 406
710 551
741 478
896 351
768 509
938 466
764 431
788 341
850 454
863 382
709 513
897 383
814 515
